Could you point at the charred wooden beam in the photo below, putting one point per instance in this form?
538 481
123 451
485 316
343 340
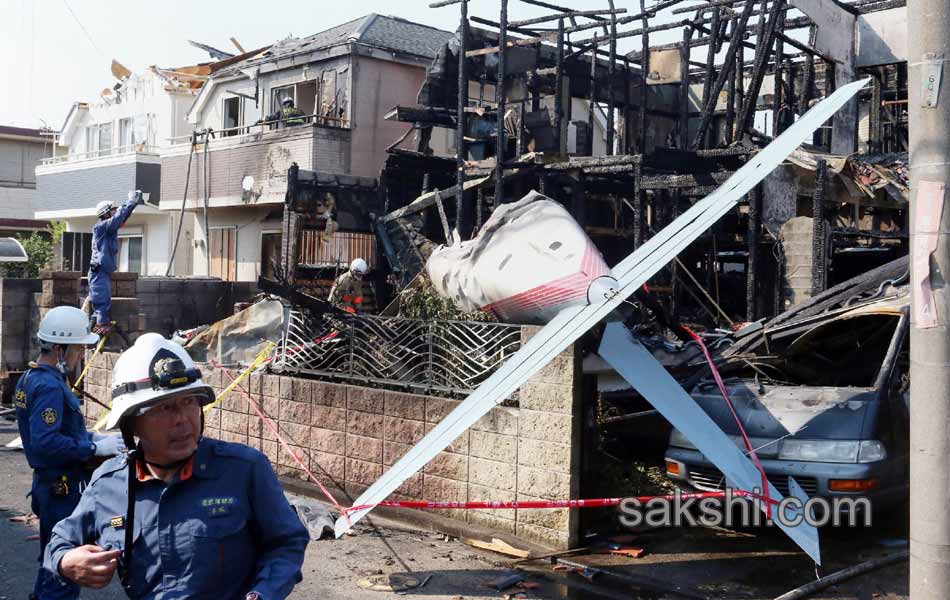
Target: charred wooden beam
560 129
758 72
558 8
732 89
442 117
576 13
500 143
779 85
671 182
683 100
611 73
721 77
644 70
878 5
819 272
752 266
463 205
628 19
711 55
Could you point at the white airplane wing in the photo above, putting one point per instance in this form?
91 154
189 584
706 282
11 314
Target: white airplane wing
570 324
634 363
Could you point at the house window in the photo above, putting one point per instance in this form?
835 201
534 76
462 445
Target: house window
270 253
223 253
77 251
105 139
279 94
130 254
233 115
306 94
92 140
126 134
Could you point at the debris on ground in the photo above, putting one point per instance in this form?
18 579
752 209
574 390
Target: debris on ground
500 546
183 336
506 581
239 338
628 551
392 582
843 575
25 519
315 516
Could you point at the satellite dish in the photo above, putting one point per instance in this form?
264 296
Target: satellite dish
247 184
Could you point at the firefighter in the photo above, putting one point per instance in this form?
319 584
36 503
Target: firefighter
347 290
105 247
53 431
288 113
181 516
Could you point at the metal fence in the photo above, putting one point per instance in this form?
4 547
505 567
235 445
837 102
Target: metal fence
441 356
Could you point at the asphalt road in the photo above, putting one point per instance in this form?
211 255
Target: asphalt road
331 569
708 563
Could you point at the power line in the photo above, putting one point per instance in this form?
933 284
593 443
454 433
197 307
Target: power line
81 26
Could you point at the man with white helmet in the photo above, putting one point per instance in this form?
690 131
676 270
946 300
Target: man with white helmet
180 516
53 430
347 290
105 247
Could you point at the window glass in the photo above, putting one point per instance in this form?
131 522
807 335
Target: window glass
105 139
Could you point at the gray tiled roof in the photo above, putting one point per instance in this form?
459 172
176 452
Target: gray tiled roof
390 33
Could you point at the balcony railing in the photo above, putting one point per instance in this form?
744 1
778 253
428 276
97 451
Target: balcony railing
110 152
442 357
314 120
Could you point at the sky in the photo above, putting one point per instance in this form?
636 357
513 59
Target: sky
57 52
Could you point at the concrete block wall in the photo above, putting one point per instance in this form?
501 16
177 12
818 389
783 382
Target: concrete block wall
349 435
797 237
171 303
17 313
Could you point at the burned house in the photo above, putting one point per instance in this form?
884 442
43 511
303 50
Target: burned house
229 177
628 141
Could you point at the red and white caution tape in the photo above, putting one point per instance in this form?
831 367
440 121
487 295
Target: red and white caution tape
745 438
273 428
523 504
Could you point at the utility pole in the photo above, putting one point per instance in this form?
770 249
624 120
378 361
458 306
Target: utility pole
929 106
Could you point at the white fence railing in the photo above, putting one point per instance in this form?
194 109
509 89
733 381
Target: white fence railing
95 154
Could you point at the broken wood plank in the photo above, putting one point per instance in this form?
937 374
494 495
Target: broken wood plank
511 43
570 552
426 200
497 545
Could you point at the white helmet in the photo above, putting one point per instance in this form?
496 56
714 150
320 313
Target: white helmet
66 325
359 266
103 208
150 371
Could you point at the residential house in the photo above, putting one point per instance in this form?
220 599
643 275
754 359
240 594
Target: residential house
111 146
21 150
344 80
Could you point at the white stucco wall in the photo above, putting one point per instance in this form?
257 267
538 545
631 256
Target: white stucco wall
249 222
156 231
143 97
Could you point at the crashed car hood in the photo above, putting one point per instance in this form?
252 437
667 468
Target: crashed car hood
833 413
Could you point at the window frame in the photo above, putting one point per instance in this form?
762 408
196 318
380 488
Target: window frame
123 259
